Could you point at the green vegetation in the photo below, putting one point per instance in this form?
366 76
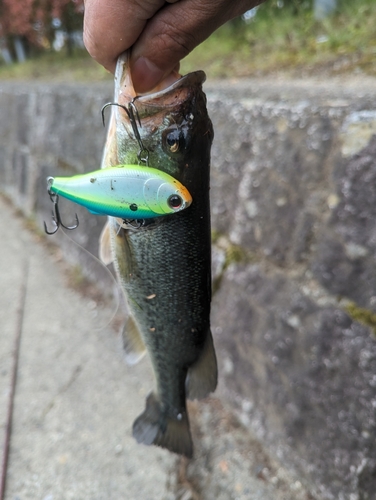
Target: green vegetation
233 254
362 315
280 38
290 40
56 66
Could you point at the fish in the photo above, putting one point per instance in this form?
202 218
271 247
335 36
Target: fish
124 191
164 267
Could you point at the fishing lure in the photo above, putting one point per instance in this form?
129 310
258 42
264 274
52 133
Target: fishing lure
124 191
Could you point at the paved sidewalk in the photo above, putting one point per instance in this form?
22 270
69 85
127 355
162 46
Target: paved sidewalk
76 398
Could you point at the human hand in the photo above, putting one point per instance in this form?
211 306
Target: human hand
160 33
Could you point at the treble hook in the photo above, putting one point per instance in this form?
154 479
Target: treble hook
56 217
134 111
134 223
134 117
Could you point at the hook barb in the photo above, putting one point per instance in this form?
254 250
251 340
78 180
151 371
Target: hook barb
56 226
113 104
56 217
134 118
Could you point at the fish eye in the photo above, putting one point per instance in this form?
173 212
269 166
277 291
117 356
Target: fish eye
174 140
175 201
172 143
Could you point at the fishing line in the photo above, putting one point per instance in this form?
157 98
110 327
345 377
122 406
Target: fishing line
117 292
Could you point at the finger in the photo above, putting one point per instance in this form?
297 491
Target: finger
176 30
111 27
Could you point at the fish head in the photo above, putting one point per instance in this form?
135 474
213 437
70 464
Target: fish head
172 123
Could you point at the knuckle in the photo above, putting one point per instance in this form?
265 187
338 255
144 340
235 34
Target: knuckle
173 38
89 42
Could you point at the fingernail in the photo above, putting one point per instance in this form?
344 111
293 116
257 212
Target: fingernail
145 75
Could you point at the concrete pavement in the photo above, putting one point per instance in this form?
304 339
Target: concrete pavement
76 399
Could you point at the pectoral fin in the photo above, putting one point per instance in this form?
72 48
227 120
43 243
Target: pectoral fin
133 344
105 252
202 375
122 251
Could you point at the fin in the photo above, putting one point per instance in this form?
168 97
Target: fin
133 344
105 252
120 247
154 427
202 376
113 244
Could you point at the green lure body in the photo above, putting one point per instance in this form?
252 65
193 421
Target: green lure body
124 191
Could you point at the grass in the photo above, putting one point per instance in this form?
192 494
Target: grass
55 66
284 40
279 40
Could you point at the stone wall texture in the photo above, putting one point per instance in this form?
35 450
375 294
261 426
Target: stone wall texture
293 196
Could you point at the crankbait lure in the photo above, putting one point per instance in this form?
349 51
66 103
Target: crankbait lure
124 191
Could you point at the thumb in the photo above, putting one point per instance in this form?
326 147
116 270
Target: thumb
173 32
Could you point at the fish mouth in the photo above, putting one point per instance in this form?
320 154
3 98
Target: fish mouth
171 92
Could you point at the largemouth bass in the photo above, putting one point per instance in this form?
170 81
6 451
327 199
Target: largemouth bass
124 191
164 266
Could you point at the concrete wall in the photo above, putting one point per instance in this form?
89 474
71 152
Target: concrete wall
294 231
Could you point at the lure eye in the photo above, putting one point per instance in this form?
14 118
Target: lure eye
175 201
133 207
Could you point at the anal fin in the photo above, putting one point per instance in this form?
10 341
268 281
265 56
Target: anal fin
202 376
153 426
134 347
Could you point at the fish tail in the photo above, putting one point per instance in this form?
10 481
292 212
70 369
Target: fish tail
153 426
203 374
